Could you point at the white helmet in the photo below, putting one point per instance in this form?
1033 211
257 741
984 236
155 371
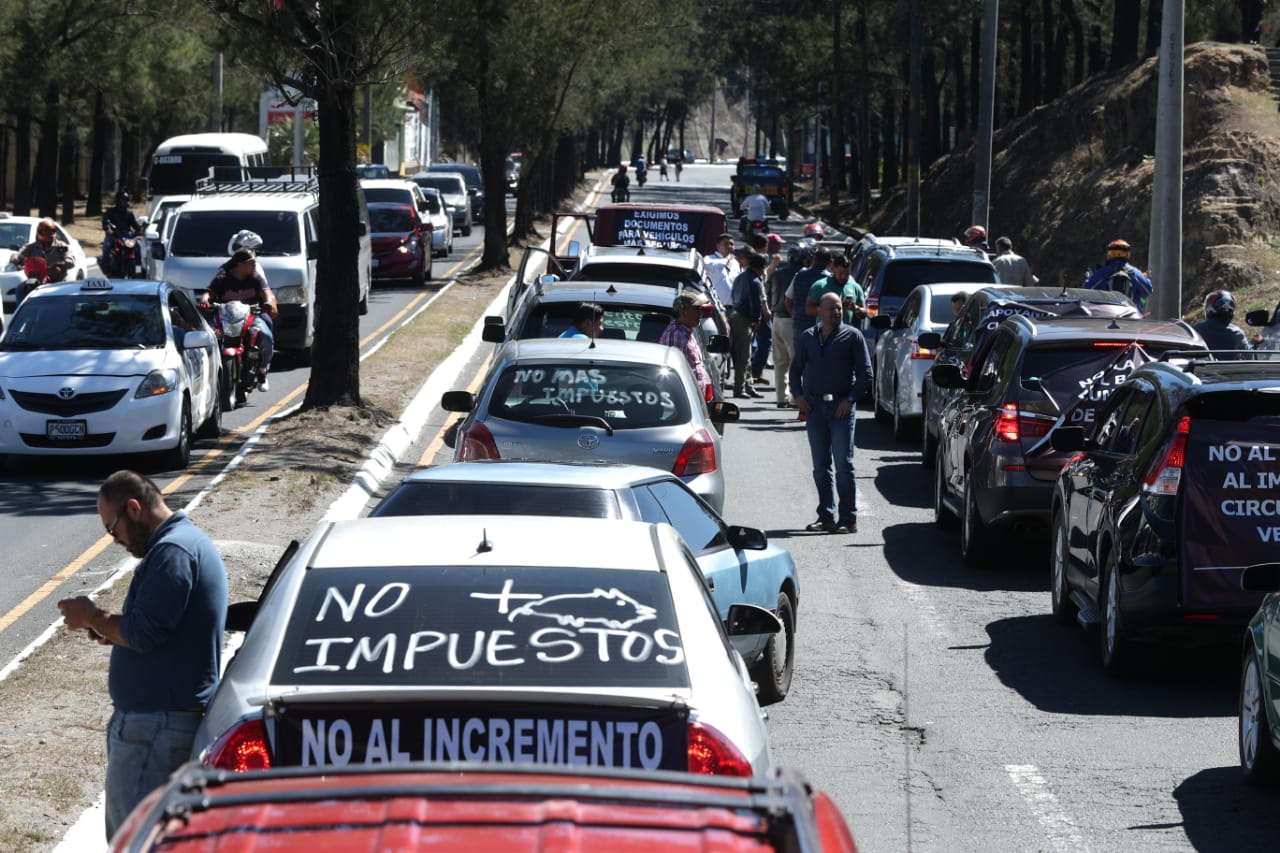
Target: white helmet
243 240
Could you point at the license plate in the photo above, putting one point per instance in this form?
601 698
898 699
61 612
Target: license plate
66 430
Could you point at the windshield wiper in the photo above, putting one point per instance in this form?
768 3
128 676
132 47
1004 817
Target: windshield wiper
570 419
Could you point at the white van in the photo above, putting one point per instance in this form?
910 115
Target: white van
286 215
180 161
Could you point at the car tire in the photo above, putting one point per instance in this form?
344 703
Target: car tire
974 533
466 230
227 381
1064 609
212 427
1114 643
882 415
1259 759
942 514
363 307
179 456
928 441
772 673
902 426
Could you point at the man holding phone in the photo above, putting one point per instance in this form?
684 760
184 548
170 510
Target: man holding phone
166 645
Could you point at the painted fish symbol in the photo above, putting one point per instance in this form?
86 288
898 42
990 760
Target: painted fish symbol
612 609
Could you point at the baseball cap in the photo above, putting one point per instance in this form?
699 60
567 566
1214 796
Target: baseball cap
774 238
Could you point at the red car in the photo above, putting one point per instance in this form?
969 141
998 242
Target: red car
480 807
401 242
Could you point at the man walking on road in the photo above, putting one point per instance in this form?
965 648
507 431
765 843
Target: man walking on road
748 304
166 645
830 372
1012 267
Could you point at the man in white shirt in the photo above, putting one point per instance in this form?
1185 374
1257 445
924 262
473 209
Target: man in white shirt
755 208
723 268
1012 267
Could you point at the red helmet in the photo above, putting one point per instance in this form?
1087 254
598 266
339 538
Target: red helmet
974 235
815 229
1118 249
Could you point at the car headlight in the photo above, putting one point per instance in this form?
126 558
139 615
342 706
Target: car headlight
158 382
291 295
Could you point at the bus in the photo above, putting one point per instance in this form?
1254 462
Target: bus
180 161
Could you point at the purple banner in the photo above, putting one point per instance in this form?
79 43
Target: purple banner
1080 390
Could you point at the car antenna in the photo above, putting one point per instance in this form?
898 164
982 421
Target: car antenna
485 545
1113 324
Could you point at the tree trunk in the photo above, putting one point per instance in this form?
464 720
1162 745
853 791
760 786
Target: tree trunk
1077 40
1155 17
975 71
130 153
335 370
1054 51
1026 67
1124 33
67 176
22 195
47 155
931 111
891 160
1097 60
102 128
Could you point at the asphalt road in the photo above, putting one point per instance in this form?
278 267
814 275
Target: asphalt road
940 705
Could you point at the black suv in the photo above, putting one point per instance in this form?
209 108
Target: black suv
983 312
1165 501
995 464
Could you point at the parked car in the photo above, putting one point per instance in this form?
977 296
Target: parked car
1158 508
578 400
394 191
474 182
453 188
106 367
996 465
441 219
903 360
18 231
509 640
481 807
739 563
512 170
372 170
983 312
1258 726
401 242
158 227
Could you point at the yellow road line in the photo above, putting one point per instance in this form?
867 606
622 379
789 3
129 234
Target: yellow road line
438 442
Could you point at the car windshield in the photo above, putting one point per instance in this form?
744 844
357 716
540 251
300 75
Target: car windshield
470 174
433 203
767 173
205 233
637 273
14 235
632 322
388 220
500 626
397 195
176 174
901 277
435 498
448 184
628 396
86 321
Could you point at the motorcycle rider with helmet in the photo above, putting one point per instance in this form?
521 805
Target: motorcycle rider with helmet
1112 275
1216 328
642 169
815 231
46 245
240 279
621 185
118 220
755 208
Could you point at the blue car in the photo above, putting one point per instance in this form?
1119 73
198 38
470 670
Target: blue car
739 563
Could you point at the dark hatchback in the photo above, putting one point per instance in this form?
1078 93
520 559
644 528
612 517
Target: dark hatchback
995 464
1166 501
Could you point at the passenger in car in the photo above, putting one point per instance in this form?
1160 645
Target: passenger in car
588 322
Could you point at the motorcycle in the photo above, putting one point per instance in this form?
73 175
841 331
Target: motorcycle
642 175
238 342
36 271
621 195
124 258
751 227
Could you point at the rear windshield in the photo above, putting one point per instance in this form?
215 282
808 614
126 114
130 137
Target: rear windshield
89 321
627 396
1237 406
940 310
433 202
386 220
764 173
176 174
205 233
458 626
432 498
636 273
470 174
901 277
445 183
397 195
1039 362
632 322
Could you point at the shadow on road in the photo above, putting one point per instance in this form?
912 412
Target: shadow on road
926 555
1221 812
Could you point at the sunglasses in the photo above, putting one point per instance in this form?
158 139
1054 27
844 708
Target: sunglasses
111 528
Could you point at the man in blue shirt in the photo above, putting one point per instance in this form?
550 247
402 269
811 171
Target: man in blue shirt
1120 275
166 644
588 322
748 303
830 372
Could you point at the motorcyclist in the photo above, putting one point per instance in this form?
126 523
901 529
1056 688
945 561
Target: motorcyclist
621 184
56 254
1118 267
755 208
1216 328
642 169
815 231
239 279
118 220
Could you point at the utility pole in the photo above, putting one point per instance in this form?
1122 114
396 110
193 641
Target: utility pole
715 90
986 116
864 121
913 123
1165 248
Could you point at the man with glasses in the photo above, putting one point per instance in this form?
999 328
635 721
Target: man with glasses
166 644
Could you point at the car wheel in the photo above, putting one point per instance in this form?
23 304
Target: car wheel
942 515
1259 759
772 673
180 456
1064 609
466 230
877 405
363 307
1114 641
902 426
226 382
973 531
212 427
928 441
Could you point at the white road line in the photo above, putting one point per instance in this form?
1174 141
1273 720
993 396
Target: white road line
1061 830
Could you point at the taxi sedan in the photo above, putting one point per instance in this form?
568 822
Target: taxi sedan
501 639
739 563
102 366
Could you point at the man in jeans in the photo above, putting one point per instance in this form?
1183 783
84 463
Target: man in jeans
166 645
830 372
748 305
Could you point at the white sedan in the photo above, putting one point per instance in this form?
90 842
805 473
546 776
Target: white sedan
440 215
106 366
18 231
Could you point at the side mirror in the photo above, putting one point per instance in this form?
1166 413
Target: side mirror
882 322
575 249
157 251
1067 439
947 376
143 222
1263 577
240 615
928 340
747 538
1260 317
722 412
718 344
197 339
458 401
748 619
493 333
363 230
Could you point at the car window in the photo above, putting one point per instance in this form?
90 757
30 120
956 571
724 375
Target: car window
628 396
90 321
395 195
902 276
1115 432
388 220
940 309
205 233
631 322
985 378
435 498
960 333
636 273
456 626
695 523
433 203
910 310
14 235
183 315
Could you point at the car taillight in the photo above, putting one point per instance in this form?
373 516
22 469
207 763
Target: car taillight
1013 425
1165 475
708 392
708 310
241 749
873 304
918 351
478 443
698 456
711 753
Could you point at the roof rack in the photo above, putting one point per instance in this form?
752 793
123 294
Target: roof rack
1197 357
258 180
